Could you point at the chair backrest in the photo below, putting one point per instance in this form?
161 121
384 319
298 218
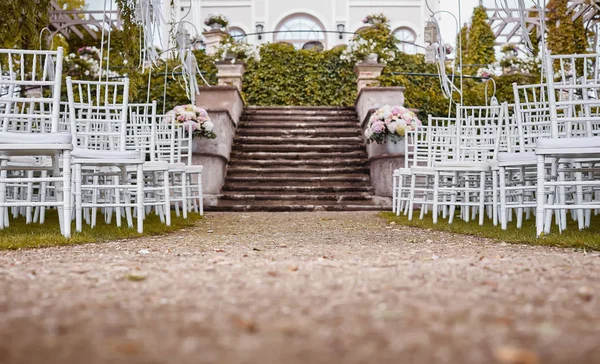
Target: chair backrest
532 113
442 139
142 129
574 94
30 90
173 143
98 114
479 132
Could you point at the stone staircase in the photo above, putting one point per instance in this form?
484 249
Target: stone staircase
298 159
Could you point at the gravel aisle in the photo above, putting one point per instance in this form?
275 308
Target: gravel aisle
300 287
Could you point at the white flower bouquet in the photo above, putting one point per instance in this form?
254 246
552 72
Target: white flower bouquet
359 49
194 120
394 121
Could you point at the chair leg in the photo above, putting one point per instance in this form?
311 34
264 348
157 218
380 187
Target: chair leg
411 197
503 212
436 195
541 195
3 210
482 197
78 199
495 197
140 198
184 201
167 191
66 194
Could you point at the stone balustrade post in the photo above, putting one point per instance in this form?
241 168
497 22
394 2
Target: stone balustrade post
212 40
230 74
367 74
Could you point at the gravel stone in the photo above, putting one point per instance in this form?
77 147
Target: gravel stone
319 287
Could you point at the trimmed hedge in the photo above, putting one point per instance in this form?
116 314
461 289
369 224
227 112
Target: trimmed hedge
286 77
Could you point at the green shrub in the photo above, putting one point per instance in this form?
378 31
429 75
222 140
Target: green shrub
285 76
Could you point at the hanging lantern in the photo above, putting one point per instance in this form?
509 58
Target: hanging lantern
430 34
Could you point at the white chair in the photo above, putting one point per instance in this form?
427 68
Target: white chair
29 108
573 99
141 136
98 117
464 178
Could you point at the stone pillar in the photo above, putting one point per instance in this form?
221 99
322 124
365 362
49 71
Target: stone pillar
212 40
382 159
230 74
367 74
224 105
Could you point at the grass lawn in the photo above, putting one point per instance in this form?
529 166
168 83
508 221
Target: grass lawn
570 238
21 235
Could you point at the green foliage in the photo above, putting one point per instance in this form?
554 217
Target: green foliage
461 42
423 92
285 76
21 22
565 36
480 40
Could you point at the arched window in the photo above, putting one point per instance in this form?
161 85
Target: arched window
238 34
299 29
406 36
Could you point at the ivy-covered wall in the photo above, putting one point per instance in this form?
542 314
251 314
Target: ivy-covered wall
285 76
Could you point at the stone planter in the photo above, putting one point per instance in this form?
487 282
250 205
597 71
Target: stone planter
224 105
230 74
367 74
395 146
383 158
216 26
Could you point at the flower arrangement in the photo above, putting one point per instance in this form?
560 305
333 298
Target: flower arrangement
216 19
359 49
194 119
391 120
484 73
375 19
236 51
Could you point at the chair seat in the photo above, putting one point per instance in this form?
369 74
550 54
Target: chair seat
82 153
466 166
26 162
177 167
35 138
571 147
516 159
194 169
423 170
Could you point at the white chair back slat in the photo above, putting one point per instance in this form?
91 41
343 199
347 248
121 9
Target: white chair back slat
30 84
98 122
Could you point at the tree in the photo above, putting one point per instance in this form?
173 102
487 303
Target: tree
481 40
461 43
21 22
565 35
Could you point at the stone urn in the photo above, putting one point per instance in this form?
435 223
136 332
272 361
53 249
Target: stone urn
394 145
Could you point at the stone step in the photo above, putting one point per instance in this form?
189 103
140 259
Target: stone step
351 125
316 132
297 118
331 140
338 197
282 205
291 148
309 163
296 155
237 170
298 109
298 180
323 188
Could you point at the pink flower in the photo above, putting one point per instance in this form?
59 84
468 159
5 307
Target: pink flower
190 126
408 116
378 127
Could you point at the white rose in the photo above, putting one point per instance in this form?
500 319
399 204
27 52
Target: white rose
392 127
368 133
208 126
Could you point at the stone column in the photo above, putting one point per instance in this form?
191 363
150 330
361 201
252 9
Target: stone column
213 39
367 74
230 74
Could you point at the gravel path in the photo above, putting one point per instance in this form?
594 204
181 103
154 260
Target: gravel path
300 287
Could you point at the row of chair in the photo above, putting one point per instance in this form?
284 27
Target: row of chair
94 153
539 155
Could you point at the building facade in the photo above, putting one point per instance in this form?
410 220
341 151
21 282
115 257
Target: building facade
300 22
